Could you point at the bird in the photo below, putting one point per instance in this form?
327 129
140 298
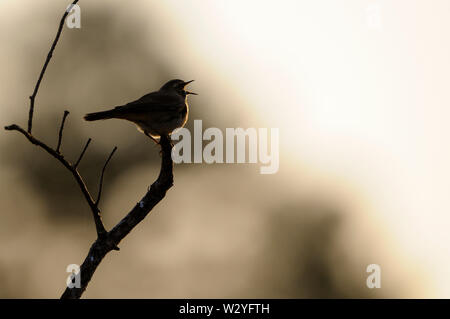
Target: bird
155 114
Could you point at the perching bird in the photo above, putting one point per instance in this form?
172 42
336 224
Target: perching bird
155 114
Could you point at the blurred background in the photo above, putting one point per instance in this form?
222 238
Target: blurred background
358 89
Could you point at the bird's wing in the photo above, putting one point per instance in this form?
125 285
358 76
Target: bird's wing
153 102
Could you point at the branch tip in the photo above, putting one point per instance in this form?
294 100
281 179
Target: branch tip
103 173
82 153
61 130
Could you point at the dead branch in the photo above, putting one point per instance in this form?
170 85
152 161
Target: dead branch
44 68
111 240
105 241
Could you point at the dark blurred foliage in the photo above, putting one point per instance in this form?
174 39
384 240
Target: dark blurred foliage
306 258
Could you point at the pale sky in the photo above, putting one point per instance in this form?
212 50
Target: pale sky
364 107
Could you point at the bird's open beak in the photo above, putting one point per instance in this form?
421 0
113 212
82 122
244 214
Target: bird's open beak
187 92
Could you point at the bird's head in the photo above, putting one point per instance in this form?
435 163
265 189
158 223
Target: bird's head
177 86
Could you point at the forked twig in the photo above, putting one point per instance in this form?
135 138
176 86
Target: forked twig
102 246
95 211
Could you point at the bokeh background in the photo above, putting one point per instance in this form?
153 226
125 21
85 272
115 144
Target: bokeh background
358 89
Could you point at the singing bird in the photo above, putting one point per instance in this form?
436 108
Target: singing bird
155 114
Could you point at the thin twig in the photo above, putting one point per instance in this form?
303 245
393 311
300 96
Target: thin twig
44 68
95 211
82 153
61 131
101 178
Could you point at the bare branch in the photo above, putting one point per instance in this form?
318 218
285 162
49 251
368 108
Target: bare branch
61 130
101 178
82 153
44 68
106 241
102 246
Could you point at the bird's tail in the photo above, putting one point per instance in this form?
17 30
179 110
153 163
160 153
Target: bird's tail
100 115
